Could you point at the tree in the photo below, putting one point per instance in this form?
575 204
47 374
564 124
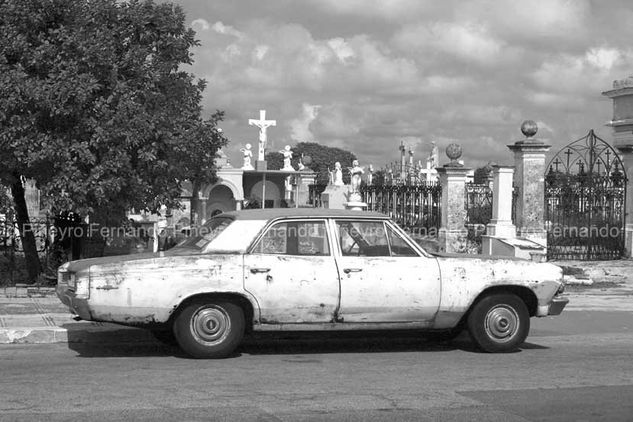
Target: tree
96 108
323 159
482 174
380 178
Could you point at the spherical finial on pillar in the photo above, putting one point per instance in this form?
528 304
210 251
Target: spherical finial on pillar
453 152
529 128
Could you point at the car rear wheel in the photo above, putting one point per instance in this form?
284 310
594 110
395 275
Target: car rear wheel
209 329
499 323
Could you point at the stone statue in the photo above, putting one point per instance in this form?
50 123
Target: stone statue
370 175
287 153
337 175
248 154
356 172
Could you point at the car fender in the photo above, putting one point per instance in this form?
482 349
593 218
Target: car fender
464 281
149 292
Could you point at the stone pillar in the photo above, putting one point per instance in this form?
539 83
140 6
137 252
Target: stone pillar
501 223
622 124
452 234
529 164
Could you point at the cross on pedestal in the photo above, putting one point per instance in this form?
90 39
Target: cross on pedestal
568 153
262 124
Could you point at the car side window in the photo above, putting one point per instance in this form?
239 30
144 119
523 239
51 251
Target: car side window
294 238
399 246
363 238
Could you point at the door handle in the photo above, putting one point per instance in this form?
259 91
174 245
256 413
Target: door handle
259 270
352 270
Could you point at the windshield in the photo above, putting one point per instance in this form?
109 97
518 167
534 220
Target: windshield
205 234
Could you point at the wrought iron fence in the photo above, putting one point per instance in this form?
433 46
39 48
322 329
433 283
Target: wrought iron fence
478 203
12 263
55 245
585 196
411 206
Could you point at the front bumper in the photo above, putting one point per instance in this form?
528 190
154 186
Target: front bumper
557 305
75 305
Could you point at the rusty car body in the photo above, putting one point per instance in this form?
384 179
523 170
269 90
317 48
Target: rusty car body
309 269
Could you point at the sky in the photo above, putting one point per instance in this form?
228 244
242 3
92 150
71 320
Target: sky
364 75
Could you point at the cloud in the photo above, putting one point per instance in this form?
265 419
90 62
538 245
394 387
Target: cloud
300 127
588 73
200 25
530 19
381 71
379 9
223 29
341 49
603 58
468 41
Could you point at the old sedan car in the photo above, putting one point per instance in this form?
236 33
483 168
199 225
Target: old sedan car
310 269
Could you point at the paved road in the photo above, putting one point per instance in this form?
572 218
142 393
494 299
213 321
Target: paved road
576 367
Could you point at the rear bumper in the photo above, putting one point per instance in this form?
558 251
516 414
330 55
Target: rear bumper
557 305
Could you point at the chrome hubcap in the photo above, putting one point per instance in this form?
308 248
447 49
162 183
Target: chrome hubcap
210 325
502 323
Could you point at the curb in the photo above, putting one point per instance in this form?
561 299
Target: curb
76 333
26 291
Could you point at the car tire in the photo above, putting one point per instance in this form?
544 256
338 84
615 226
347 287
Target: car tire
207 329
499 323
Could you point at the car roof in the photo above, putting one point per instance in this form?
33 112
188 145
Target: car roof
274 213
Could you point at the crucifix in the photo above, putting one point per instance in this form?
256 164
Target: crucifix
262 124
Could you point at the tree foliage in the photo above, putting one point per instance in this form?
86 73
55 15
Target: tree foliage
323 159
95 105
482 174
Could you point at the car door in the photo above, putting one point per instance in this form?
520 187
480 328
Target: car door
384 278
292 273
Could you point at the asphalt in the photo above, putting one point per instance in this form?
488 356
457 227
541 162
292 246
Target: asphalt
35 314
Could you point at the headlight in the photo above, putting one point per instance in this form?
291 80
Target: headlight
80 285
72 280
68 278
64 277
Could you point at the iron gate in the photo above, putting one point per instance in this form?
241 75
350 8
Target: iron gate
585 189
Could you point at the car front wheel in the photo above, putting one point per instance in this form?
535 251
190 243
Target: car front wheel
499 323
209 329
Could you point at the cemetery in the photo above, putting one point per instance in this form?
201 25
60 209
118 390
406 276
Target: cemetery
575 205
